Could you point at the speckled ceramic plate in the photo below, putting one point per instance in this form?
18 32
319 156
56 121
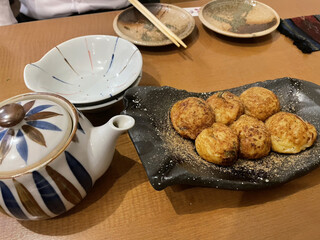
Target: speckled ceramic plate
239 18
169 159
131 25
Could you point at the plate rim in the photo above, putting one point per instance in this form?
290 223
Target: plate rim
239 35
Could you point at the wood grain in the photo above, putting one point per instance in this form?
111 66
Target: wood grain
122 204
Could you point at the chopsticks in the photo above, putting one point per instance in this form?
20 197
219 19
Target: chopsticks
155 21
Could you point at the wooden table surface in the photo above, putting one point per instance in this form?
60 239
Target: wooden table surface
123 204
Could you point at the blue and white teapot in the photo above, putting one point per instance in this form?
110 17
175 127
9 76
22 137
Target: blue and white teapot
50 154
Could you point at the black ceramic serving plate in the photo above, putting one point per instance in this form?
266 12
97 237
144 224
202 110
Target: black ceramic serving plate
170 159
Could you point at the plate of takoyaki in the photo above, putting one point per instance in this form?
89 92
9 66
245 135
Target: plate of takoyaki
250 137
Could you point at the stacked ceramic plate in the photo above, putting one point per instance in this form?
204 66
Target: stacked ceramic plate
92 72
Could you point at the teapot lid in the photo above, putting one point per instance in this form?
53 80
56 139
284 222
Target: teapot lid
34 129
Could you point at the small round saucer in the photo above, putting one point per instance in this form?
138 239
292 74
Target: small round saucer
239 18
131 25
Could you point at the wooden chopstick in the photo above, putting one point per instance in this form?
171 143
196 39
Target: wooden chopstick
155 21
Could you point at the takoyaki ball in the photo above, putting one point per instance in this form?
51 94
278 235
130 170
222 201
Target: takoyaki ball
254 137
218 144
260 102
190 116
226 106
312 132
290 133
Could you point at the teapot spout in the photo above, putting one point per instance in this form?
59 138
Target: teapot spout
103 141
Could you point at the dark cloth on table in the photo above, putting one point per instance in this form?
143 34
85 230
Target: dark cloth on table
304 31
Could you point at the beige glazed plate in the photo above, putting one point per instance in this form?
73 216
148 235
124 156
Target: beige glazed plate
131 25
239 18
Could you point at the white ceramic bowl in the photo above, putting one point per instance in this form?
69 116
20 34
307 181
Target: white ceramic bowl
86 69
102 106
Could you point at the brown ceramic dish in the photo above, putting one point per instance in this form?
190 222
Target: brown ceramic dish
131 25
239 18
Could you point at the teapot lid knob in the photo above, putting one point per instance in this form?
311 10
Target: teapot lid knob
11 114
